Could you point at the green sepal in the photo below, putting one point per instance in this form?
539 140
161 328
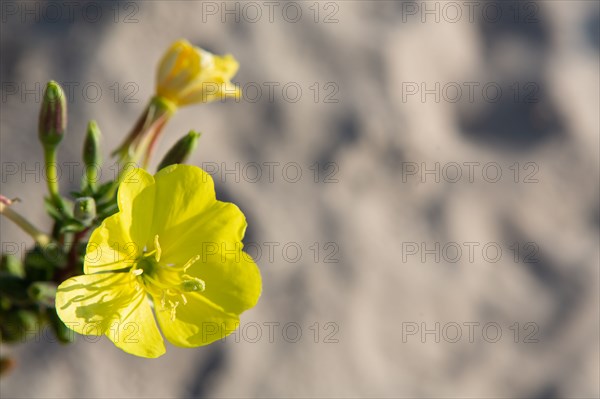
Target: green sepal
52 210
103 189
58 213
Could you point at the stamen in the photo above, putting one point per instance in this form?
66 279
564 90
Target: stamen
157 248
174 311
172 287
192 284
157 283
171 267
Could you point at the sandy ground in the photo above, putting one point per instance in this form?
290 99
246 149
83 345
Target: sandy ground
381 265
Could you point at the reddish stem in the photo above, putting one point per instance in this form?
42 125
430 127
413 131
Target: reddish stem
72 257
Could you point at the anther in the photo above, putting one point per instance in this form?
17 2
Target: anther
192 284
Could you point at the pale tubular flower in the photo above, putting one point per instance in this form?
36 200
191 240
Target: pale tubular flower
188 75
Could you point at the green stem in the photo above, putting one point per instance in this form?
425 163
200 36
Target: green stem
153 118
52 176
72 259
24 224
91 175
140 143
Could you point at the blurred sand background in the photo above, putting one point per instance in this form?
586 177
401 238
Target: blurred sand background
365 208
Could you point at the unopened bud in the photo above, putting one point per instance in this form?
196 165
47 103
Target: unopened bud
84 209
91 154
53 115
91 146
181 151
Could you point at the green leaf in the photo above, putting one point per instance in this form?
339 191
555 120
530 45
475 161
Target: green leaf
72 226
103 189
52 210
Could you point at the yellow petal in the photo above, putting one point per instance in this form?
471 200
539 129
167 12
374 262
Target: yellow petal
197 323
220 226
136 205
110 247
214 83
226 66
205 92
188 74
181 193
232 280
110 304
178 67
168 61
121 237
138 334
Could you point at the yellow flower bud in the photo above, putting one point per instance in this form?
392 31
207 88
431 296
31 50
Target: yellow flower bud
189 74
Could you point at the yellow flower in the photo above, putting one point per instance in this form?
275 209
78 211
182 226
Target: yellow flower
189 74
186 75
172 247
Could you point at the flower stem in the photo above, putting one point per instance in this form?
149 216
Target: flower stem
72 258
140 142
24 224
160 111
147 127
51 171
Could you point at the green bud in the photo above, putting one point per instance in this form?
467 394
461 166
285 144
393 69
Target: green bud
91 146
84 209
53 115
91 154
12 265
181 151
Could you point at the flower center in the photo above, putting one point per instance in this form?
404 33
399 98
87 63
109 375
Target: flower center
147 266
168 283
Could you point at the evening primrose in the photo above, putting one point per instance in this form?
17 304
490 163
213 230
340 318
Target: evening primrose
186 75
174 251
